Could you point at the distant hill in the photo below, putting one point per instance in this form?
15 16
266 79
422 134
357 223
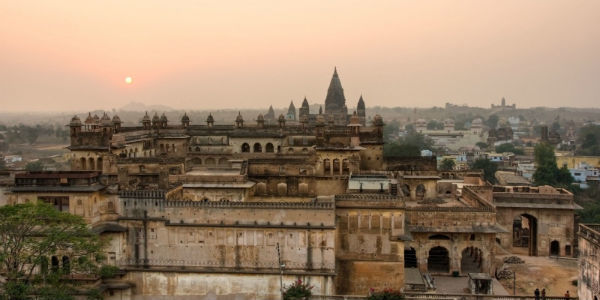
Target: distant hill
138 106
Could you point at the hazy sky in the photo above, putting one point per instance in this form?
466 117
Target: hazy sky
75 55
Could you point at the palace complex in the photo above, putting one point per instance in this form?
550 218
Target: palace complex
203 211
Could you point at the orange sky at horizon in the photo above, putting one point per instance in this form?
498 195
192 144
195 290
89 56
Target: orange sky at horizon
250 54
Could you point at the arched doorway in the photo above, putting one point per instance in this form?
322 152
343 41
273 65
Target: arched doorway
471 259
269 148
525 234
438 260
257 147
406 190
554 248
245 147
420 192
410 258
210 161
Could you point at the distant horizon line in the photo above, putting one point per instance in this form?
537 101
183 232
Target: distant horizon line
277 108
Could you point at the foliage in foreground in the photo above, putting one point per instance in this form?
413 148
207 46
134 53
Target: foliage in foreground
298 290
547 172
386 294
489 169
42 249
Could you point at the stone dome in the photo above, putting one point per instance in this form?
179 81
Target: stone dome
75 121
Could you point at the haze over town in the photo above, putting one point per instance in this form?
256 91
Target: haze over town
72 55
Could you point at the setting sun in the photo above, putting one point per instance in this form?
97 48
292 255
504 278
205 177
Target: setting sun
128 80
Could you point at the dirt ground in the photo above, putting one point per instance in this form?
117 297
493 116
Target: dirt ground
555 275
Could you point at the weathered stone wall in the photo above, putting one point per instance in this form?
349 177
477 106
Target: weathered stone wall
208 286
588 285
233 236
552 225
457 243
369 250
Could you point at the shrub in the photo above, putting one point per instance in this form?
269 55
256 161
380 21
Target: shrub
386 294
108 271
298 290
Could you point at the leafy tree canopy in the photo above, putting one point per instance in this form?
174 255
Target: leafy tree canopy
492 121
509 147
547 172
447 164
409 145
34 166
41 246
489 169
589 140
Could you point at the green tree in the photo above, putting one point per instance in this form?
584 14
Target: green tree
409 145
547 172
32 233
435 125
588 140
447 164
492 121
489 169
509 147
34 166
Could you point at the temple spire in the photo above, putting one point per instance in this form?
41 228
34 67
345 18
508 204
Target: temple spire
335 100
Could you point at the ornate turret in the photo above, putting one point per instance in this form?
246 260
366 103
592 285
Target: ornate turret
106 124
304 121
281 121
116 123
75 126
378 122
260 121
96 123
185 120
210 121
156 121
270 115
239 120
354 126
163 121
304 109
361 110
89 122
146 122
105 121
291 114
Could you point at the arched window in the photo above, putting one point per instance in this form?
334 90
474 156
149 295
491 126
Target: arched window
99 163
223 161
326 165
44 265
91 163
257 147
66 265
269 148
83 164
210 161
420 191
336 166
245 147
55 263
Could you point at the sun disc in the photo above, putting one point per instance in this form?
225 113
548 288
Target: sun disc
128 80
